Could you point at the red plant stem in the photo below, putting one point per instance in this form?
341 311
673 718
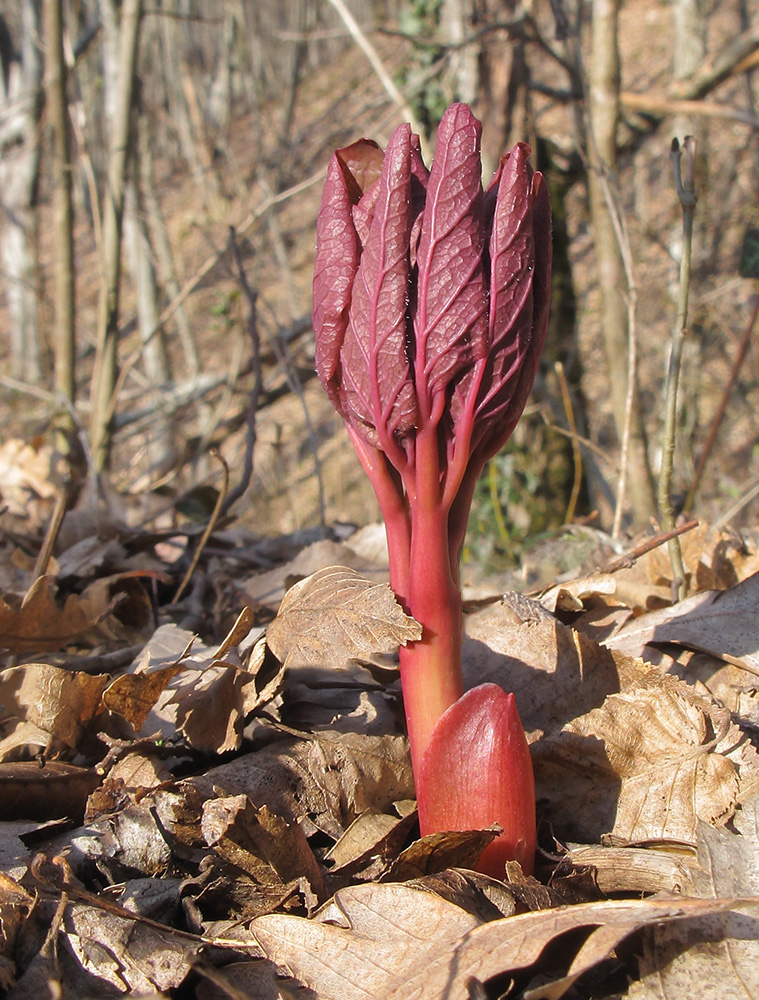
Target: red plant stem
388 489
430 668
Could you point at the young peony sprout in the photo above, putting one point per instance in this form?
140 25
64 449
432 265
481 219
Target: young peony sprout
430 311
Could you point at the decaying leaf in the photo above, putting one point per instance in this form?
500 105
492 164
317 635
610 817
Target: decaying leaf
390 941
721 622
28 791
38 623
335 615
203 692
438 851
131 955
554 672
269 588
613 758
371 842
268 848
638 869
719 952
133 695
61 704
713 957
212 706
367 939
325 781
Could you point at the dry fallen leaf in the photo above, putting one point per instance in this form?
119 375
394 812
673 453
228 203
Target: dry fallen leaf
38 623
133 696
336 615
29 791
390 941
325 780
264 845
60 703
269 588
644 766
365 940
554 672
132 956
721 622
719 952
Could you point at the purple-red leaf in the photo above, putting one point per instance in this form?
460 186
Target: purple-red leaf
376 378
476 771
350 172
514 368
450 309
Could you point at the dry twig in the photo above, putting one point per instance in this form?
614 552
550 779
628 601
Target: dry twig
685 186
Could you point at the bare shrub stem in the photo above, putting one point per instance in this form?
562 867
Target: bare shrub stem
685 186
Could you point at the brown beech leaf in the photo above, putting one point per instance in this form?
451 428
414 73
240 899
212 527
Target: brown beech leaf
60 703
554 672
719 952
721 622
29 791
438 851
121 606
714 957
38 622
201 691
392 941
371 842
15 905
269 588
377 935
264 845
133 695
638 870
336 615
134 957
644 765
325 780
212 705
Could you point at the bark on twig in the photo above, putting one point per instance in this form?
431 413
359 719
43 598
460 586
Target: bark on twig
685 185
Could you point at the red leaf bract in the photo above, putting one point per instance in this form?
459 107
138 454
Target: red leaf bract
477 771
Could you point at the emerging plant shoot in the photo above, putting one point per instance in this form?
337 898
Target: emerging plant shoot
430 311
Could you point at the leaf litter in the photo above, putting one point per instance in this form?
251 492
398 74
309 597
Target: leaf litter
233 812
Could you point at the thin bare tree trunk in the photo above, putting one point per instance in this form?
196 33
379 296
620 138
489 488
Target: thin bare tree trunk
20 90
164 258
64 346
161 452
689 52
457 21
104 378
603 108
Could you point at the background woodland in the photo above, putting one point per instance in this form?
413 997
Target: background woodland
160 169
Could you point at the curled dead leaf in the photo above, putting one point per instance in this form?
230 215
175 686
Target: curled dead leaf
645 765
391 941
38 622
721 622
60 703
